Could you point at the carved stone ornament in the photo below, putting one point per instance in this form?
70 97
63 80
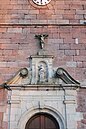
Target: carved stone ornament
41 39
41 71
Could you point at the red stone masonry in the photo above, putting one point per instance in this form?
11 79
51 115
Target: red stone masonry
17 43
63 21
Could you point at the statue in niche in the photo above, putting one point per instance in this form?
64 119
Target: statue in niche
42 73
41 40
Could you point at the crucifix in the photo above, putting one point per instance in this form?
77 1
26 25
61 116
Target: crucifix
41 40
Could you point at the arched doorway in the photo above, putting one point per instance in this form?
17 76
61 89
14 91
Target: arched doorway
42 121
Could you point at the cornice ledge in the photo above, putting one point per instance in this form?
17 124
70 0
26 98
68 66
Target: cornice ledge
42 24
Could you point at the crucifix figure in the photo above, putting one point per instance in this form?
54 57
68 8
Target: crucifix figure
41 40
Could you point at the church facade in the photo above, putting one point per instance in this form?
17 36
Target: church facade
43 64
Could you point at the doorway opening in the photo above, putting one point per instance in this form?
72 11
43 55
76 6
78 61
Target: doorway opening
42 121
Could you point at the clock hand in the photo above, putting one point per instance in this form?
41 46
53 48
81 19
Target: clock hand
41 1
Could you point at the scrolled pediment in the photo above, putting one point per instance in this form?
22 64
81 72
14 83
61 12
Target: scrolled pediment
58 77
20 77
65 76
42 73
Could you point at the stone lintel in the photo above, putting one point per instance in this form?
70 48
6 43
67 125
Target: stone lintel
45 87
41 56
69 102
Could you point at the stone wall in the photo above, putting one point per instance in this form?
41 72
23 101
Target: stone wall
66 43
57 11
24 102
63 21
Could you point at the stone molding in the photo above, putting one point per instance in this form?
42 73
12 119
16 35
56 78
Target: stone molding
40 73
49 110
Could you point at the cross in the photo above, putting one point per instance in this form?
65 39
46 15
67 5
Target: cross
41 40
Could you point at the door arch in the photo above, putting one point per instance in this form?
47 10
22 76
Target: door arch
42 121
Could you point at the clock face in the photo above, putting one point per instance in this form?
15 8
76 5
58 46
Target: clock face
41 2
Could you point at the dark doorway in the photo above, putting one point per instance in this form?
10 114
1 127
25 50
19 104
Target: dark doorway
42 121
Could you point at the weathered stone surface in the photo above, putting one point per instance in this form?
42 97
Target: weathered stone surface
20 21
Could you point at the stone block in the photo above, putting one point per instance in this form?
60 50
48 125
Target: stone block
14 30
71 64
